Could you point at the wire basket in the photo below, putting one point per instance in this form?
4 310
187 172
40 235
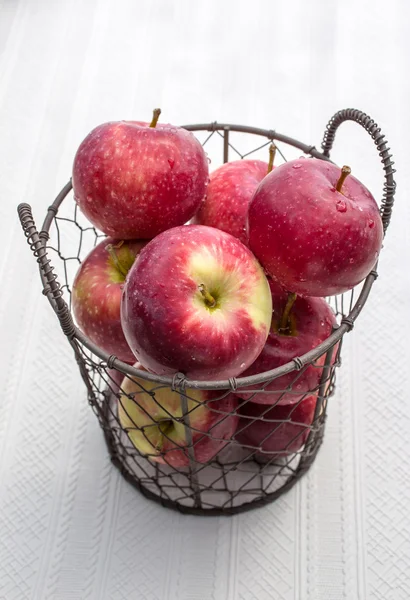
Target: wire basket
213 472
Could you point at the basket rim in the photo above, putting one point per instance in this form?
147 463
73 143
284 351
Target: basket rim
236 382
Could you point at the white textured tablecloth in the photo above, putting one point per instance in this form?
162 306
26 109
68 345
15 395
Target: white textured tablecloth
70 527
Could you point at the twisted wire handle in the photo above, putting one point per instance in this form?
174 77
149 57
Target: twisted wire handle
389 188
51 285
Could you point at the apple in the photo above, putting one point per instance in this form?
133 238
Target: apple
97 291
298 326
196 301
133 180
155 424
315 229
277 431
114 379
229 192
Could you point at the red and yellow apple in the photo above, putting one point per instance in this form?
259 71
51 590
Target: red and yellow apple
114 380
133 180
96 294
314 227
276 431
309 322
152 416
229 192
196 301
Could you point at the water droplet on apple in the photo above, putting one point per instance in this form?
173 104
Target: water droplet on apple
371 223
296 166
242 365
322 323
341 206
351 260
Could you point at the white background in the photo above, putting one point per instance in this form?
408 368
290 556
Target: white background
70 527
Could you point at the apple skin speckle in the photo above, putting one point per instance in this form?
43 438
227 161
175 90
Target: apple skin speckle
310 238
133 181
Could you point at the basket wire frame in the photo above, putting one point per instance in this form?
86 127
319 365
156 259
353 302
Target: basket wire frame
238 475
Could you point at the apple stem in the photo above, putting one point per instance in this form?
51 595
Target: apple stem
284 322
165 427
209 299
155 117
272 152
111 249
345 171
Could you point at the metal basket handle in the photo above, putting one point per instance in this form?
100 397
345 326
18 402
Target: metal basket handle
51 286
389 188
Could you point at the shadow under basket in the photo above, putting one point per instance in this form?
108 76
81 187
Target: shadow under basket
227 475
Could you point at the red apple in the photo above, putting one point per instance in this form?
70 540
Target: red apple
97 290
316 231
310 322
229 192
196 301
156 428
114 379
276 431
133 180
